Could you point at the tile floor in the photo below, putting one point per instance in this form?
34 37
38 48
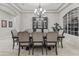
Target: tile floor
71 48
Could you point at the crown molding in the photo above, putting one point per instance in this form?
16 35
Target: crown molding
60 6
63 7
33 12
15 7
7 10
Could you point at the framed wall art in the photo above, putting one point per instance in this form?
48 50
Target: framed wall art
3 23
10 24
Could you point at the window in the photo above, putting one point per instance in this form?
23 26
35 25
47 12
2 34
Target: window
71 22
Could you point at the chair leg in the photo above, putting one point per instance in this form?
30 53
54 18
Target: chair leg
42 50
33 50
22 47
19 50
61 43
46 50
29 50
58 41
56 49
13 44
17 43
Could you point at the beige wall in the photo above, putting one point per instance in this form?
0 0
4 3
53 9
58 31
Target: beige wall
6 32
26 20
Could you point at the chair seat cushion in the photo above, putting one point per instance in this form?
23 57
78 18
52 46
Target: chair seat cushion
50 43
24 44
60 36
37 43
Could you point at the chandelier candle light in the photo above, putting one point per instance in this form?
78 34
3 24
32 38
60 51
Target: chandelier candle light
39 11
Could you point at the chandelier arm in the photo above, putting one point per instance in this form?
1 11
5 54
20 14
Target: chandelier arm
39 11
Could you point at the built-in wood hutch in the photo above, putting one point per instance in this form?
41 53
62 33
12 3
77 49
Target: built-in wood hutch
40 23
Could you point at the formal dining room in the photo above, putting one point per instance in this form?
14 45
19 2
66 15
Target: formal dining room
39 29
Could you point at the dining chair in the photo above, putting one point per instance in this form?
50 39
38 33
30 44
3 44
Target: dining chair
23 41
14 37
37 41
60 37
51 41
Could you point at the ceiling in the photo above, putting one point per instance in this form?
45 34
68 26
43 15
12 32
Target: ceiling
23 7
18 8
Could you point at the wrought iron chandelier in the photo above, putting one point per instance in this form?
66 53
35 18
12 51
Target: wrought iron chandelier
39 11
